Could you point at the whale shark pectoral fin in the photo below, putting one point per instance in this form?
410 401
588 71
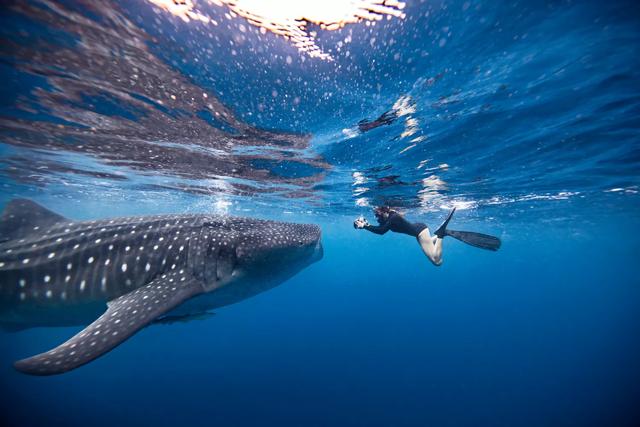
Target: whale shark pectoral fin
21 215
124 317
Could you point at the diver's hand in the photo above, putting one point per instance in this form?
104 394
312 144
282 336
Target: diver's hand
360 223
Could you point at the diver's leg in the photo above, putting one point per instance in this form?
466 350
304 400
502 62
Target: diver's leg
431 246
437 249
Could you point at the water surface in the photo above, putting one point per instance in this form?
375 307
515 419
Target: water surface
523 115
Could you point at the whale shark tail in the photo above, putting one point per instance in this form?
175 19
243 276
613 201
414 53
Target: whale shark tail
21 216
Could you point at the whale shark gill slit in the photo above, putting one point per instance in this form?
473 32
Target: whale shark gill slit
225 264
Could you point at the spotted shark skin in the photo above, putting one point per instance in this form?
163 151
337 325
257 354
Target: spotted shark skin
54 272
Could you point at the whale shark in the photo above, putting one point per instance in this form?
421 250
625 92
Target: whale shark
119 275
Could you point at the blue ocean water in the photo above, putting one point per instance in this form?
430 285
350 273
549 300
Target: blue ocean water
523 115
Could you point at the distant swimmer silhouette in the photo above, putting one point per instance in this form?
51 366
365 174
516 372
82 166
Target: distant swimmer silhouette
386 118
391 220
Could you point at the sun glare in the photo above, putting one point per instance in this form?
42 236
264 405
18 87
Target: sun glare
289 18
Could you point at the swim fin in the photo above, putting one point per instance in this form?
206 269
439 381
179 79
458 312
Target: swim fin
441 231
479 240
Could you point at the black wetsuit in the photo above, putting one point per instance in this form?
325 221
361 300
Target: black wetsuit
398 224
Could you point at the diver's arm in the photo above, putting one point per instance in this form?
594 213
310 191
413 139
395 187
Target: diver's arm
362 223
378 229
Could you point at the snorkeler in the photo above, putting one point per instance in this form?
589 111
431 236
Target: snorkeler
386 118
431 245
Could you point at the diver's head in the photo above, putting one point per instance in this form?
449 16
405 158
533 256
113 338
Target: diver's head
382 213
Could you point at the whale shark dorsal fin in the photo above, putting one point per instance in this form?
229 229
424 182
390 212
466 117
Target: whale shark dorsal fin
21 216
125 316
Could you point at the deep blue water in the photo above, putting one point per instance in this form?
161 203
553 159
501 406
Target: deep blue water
524 115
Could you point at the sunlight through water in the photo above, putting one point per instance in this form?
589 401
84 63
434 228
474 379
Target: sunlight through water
290 18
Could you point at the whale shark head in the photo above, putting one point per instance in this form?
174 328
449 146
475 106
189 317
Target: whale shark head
265 251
